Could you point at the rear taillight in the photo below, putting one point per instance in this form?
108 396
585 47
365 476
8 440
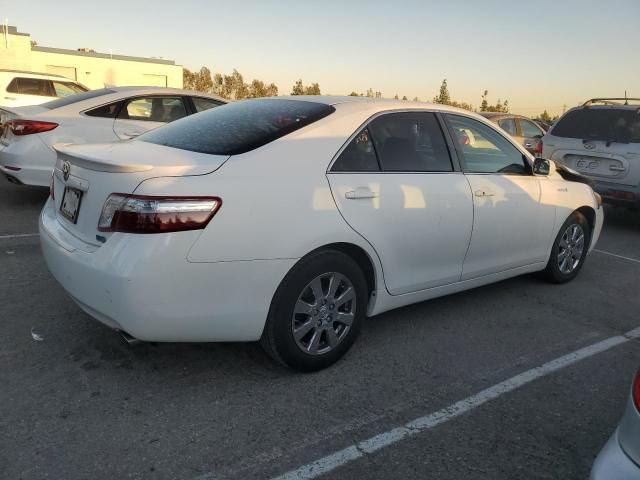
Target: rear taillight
29 127
151 214
538 149
636 391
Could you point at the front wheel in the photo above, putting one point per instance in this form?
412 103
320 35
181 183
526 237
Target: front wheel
569 249
316 312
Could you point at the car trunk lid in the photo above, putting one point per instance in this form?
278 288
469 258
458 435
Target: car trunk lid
85 175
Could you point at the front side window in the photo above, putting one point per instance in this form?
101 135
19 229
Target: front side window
530 130
410 142
64 89
359 156
508 125
483 150
154 109
202 104
238 127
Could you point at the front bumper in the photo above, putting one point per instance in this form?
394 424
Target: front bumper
144 285
613 464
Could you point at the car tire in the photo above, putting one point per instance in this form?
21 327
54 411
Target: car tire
316 312
569 249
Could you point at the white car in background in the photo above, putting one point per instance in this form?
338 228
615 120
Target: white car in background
292 219
28 136
19 88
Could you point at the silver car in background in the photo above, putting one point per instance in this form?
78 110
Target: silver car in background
523 130
620 457
601 139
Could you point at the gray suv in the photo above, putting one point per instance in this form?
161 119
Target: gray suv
601 139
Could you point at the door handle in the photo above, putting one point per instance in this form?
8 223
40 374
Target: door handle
528 145
483 193
615 168
129 135
360 192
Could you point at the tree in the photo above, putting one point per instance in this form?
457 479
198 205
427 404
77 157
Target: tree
369 93
500 107
199 81
395 97
259 89
355 94
378 94
405 97
443 97
484 106
300 89
545 117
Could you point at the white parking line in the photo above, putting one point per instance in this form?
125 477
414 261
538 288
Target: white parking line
19 235
366 447
616 255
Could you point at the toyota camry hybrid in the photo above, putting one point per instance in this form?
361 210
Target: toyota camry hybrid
290 220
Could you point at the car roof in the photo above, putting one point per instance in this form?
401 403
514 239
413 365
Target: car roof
146 90
35 74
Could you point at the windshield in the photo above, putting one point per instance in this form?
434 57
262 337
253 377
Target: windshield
238 127
68 100
605 124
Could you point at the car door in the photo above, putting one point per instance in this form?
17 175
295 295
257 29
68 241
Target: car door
395 184
511 227
141 114
531 134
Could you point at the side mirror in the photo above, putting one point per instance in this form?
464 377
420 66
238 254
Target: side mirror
541 166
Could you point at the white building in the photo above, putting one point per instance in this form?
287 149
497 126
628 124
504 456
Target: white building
93 69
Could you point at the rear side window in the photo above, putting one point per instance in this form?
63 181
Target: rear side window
238 127
202 104
31 86
508 125
410 142
78 97
109 110
64 89
530 130
359 156
605 124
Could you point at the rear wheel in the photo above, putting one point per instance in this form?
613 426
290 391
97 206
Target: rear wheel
316 312
569 249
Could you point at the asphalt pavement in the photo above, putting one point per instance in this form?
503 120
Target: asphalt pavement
82 404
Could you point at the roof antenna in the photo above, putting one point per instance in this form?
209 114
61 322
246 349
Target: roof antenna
626 100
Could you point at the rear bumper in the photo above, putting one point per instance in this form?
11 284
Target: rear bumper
613 464
616 194
34 159
144 285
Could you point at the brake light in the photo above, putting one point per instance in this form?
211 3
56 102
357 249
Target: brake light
29 127
151 214
538 148
636 391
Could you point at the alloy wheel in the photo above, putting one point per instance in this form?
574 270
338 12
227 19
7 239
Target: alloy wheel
570 248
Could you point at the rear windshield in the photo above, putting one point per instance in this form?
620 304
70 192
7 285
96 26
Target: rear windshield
606 124
63 102
238 127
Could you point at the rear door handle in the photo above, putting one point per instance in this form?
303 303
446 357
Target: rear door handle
614 168
361 192
483 193
528 145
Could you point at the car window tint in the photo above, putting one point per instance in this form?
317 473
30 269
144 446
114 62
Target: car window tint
605 124
359 156
529 130
202 104
238 127
154 109
508 125
483 150
109 110
34 86
13 86
78 97
64 89
410 142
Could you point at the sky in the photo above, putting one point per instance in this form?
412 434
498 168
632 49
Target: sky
538 54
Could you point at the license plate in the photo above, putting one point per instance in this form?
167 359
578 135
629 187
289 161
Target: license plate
71 204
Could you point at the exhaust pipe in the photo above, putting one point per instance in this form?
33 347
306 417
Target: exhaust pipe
128 338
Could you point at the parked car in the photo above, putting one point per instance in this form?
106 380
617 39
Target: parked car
19 88
292 219
524 130
29 134
601 139
620 457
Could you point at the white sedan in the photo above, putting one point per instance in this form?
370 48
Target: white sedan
28 134
290 220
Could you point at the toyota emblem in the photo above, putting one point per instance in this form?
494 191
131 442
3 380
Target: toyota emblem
66 169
